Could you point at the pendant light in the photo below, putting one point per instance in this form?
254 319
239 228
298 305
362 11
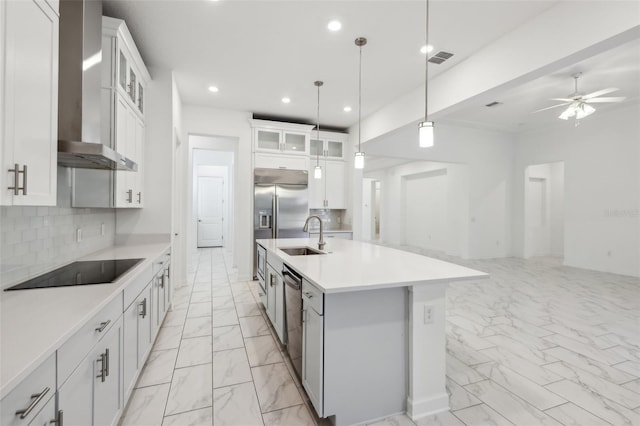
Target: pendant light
317 171
426 126
359 158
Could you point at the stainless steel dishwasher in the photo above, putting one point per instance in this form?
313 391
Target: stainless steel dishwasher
293 306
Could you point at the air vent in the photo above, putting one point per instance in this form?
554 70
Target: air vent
440 57
493 104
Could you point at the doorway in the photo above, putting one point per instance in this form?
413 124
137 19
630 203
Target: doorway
210 196
544 210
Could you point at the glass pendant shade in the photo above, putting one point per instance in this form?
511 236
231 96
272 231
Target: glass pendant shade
359 161
426 134
317 172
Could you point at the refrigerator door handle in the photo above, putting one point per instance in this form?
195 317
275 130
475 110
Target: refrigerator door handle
276 213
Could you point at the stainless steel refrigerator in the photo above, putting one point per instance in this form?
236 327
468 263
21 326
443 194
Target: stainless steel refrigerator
281 204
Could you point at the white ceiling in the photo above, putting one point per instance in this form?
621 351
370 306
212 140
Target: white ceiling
618 67
256 52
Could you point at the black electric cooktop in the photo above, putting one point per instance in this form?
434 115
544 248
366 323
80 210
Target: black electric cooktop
80 273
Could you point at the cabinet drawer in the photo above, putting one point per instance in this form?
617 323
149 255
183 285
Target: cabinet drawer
161 261
275 262
25 395
79 345
266 161
312 296
136 286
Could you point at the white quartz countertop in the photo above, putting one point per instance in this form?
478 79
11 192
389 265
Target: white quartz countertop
355 265
35 323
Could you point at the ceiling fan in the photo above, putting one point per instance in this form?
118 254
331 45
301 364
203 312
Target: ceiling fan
579 104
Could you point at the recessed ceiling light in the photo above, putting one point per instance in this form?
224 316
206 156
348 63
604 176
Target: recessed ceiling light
213 89
286 100
334 25
426 49
347 109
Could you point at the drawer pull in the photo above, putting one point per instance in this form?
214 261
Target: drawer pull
36 398
103 325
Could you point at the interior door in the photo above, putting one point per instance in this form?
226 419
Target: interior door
210 211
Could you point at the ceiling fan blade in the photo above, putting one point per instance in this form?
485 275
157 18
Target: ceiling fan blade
600 93
562 99
611 99
551 107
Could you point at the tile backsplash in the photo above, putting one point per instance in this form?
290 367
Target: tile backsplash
332 219
34 240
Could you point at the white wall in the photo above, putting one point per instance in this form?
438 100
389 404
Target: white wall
602 188
451 233
179 222
481 212
227 124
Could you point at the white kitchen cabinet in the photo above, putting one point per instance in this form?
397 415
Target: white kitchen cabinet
272 278
47 416
21 405
29 102
137 338
124 82
281 141
275 298
313 346
107 394
328 234
330 145
92 394
329 191
274 161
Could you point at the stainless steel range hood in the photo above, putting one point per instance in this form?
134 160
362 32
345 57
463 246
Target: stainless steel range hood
79 90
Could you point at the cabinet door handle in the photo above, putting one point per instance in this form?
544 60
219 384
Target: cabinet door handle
130 196
102 362
36 398
308 294
106 364
139 197
16 180
270 280
24 179
143 305
103 325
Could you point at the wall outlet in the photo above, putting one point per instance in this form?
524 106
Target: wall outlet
78 235
102 229
428 314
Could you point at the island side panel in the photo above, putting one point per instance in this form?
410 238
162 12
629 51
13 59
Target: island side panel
427 351
365 358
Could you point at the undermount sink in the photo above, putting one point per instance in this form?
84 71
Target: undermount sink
300 251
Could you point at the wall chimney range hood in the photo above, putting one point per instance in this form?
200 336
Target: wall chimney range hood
80 88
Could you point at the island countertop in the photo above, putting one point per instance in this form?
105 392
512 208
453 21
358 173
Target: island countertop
355 266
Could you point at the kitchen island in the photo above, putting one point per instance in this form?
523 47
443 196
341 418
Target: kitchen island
373 327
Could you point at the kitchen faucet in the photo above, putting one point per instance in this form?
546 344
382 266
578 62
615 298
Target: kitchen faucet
321 242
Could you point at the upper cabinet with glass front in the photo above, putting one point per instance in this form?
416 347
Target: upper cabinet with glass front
330 145
127 72
278 137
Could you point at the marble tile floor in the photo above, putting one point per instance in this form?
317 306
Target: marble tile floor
536 344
